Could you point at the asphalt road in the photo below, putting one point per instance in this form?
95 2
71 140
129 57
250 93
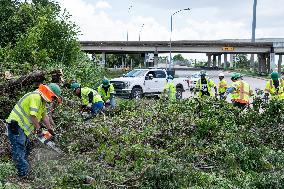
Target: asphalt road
254 82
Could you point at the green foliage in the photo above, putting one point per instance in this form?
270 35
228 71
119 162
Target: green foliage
151 144
117 59
241 61
36 35
179 58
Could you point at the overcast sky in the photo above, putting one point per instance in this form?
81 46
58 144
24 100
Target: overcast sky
207 19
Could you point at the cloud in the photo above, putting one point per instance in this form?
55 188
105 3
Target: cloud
207 19
102 5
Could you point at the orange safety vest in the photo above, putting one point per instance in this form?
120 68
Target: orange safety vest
243 92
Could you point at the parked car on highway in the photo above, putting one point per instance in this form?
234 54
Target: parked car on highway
146 82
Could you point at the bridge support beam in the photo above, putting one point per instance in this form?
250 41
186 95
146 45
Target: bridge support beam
209 60
225 61
219 60
103 59
214 60
156 59
262 63
279 64
272 60
232 60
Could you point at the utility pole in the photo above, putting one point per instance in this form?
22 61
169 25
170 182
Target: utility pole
253 32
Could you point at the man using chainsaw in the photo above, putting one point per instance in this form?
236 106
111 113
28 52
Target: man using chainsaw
24 120
106 90
91 100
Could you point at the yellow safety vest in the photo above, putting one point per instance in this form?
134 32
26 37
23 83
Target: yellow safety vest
222 86
269 88
85 98
106 95
171 88
243 92
210 85
28 105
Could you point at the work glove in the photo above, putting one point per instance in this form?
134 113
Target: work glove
51 132
89 105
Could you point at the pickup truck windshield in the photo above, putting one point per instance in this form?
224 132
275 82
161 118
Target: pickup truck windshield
135 73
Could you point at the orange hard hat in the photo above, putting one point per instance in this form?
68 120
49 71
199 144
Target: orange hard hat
47 94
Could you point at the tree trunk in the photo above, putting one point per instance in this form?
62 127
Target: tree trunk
34 78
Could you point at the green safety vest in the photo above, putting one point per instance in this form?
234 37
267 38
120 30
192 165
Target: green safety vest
210 84
171 88
85 98
30 104
106 95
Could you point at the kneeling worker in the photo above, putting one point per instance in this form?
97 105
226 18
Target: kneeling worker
106 90
90 98
242 91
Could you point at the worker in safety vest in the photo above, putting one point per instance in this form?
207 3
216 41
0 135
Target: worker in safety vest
170 89
222 86
241 90
204 86
106 90
90 98
274 87
25 119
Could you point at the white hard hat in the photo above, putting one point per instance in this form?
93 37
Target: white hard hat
221 74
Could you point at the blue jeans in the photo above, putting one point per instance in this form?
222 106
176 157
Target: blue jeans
97 107
19 143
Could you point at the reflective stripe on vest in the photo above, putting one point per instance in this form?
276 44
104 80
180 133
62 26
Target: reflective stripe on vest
241 96
106 94
272 87
208 87
18 105
222 86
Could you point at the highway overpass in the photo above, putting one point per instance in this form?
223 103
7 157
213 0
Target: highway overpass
218 46
266 49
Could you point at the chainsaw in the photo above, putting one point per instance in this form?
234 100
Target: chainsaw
46 138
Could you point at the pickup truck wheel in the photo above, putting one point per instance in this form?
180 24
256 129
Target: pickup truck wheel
179 93
136 93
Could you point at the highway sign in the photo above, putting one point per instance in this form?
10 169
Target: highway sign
228 48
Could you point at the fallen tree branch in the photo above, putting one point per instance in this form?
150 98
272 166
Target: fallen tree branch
36 77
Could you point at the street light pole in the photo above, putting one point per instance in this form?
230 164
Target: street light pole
129 9
140 31
253 33
187 9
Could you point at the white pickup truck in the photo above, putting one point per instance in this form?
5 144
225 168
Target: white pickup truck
146 82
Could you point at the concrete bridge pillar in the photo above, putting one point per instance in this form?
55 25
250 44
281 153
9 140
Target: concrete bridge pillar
219 60
272 60
232 60
225 61
214 60
156 59
279 64
209 60
103 55
261 62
